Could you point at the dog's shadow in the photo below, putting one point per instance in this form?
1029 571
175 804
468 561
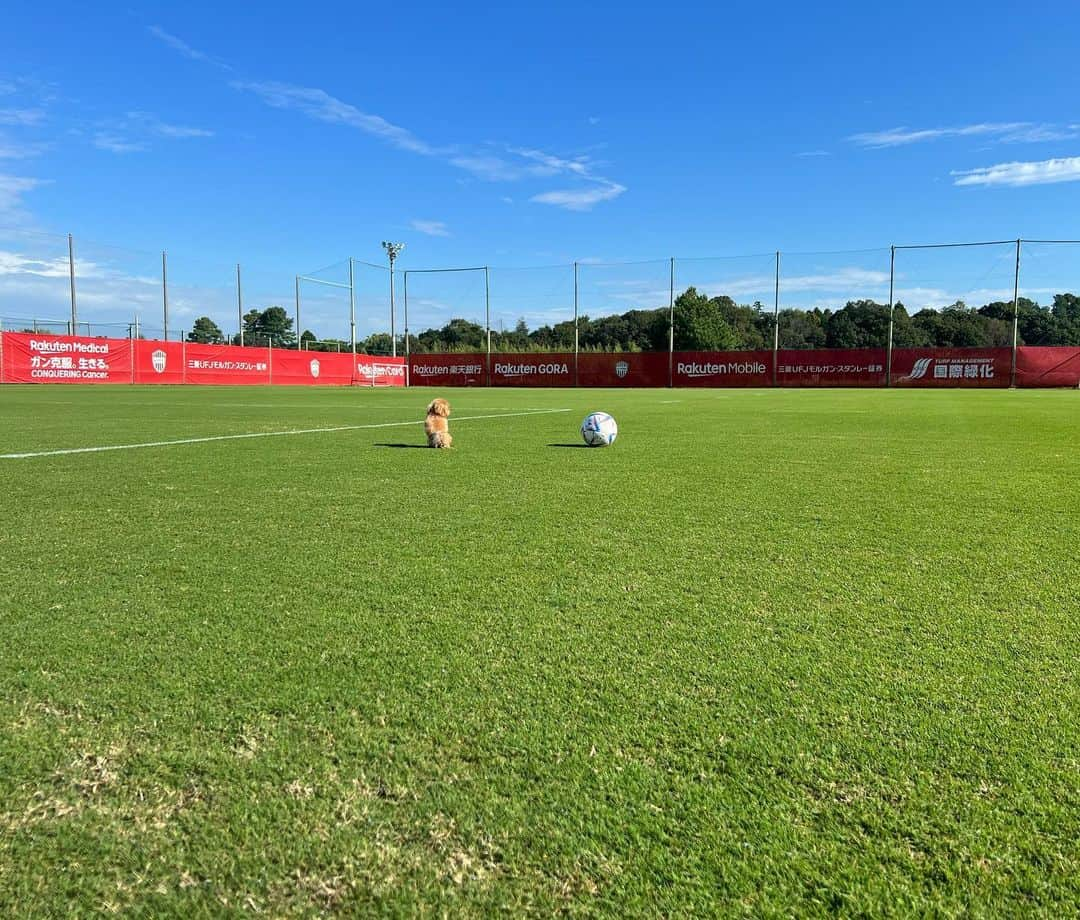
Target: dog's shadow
406 446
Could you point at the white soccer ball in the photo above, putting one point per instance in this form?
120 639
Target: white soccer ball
599 429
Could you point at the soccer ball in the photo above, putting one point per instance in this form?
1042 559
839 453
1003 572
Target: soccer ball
599 429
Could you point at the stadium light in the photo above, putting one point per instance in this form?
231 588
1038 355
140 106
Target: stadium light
392 252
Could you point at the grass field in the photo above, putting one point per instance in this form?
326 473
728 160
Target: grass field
774 653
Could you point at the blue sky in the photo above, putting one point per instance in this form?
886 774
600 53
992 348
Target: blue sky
517 135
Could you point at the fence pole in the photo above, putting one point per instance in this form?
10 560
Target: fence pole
131 350
671 327
1 351
183 359
487 310
1016 317
576 337
165 296
71 277
352 310
299 332
892 313
239 305
393 322
776 323
405 307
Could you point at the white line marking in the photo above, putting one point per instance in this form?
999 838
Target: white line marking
263 434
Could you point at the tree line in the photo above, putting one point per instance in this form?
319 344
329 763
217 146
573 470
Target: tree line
704 323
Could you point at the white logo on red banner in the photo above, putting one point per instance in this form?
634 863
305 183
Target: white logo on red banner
526 370
314 367
707 369
953 369
621 369
159 358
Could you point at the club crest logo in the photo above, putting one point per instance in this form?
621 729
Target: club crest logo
314 367
158 357
622 368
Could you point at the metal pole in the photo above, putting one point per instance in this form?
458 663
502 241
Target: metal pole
393 330
576 338
299 334
352 309
165 295
239 304
487 309
1016 317
671 327
71 276
776 324
892 314
406 311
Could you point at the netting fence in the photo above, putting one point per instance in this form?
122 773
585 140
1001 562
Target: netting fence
983 294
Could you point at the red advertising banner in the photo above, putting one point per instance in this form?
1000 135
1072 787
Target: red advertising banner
623 369
226 364
379 372
535 370
29 358
1047 367
831 367
311 368
159 362
951 367
447 370
723 369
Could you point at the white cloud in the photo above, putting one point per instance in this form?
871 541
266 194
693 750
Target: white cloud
550 165
511 164
582 199
178 44
501 164
153 125
814 153
12 189
181 131
320 105
22 117
12 150
1042 172
1010 132
430 227
114 144
132 133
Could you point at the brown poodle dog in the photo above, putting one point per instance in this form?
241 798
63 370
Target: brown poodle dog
436 426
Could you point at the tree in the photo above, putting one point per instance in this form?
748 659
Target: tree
802 329
1066 313
277 326
699 324
205 331
265 327
307 339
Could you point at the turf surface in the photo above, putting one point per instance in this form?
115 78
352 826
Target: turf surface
773 653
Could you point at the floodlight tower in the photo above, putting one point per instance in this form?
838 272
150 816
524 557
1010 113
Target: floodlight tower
392 252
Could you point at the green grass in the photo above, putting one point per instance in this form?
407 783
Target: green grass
774 653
